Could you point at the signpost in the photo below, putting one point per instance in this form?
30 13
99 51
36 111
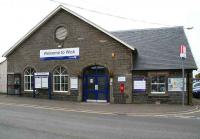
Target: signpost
183 57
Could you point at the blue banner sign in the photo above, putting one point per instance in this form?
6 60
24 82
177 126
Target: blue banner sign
59 54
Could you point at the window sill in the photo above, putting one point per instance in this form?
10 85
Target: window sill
28 90
62 92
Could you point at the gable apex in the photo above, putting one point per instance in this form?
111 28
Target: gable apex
60 7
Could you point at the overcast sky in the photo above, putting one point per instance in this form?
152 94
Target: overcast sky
19 16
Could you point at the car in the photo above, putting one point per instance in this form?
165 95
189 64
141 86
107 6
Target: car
196 89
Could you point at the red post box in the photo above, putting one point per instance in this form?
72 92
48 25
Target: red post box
121 88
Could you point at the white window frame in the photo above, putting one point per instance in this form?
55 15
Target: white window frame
29 76
158 84
60 78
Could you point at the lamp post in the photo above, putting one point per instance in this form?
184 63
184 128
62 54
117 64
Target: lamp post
183 57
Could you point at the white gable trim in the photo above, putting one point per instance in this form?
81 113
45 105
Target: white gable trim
49 16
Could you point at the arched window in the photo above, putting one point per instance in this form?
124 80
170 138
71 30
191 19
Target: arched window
60 80
28 79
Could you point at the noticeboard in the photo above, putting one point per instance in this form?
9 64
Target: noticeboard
139 85
176 84
41 80
74 83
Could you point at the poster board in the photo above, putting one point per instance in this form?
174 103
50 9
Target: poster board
41 80
74 83
176 84
44 81
38 82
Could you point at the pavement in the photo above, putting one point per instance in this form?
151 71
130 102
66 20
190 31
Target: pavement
100 108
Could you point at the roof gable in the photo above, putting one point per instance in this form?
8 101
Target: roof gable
51 15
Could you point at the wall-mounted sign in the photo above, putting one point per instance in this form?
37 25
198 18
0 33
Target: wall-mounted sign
183 51
176 84
59 54
139 85
74 83
121 79
91 81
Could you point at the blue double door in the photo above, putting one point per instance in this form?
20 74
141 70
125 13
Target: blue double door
96 88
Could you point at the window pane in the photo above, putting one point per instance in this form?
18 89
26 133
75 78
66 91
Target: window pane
65 79
161 88
154 79
56 79
32 85
25 86
161 79
154 88
29 88
57 87
25 79
66 87
29 80
56 72
63 87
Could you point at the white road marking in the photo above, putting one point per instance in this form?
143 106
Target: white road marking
183 114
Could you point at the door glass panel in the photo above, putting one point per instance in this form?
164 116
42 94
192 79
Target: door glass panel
102 83
91 88
102 88
91 83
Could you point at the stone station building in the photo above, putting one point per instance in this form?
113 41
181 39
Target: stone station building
68 57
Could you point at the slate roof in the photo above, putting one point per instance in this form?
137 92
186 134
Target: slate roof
158 48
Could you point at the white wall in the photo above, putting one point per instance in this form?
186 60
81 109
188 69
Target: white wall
3 77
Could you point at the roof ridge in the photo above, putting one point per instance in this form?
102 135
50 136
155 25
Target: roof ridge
146 29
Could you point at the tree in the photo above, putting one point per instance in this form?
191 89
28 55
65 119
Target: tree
197 75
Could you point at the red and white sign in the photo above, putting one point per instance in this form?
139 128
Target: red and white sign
183 51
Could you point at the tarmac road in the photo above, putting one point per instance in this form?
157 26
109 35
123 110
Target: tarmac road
35 123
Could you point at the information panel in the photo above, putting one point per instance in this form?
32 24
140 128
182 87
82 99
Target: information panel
74 83
176 84
38 82
41 80
139 85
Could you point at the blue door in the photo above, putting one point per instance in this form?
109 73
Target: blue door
96 87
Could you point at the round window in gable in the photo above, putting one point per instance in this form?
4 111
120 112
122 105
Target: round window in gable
61 33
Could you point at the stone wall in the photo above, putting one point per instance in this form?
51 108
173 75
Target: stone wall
96 48
170 97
